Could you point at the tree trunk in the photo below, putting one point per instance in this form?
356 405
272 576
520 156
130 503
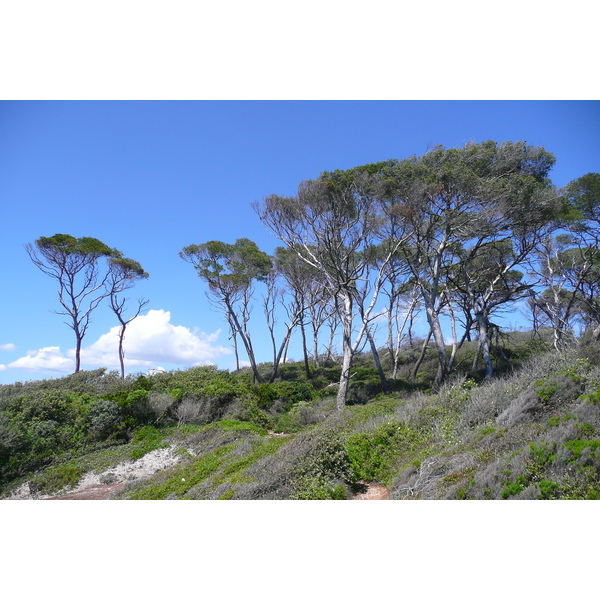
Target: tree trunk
384 384
347 353
121 352
417 366
438 337
484 343
77 351
304 349
315 346
344 377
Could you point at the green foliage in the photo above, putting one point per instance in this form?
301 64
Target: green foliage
322 467
545 390
548 490
577 447
543 452
181 479
146 439
105 419
512 489
52 432
373 455
288 392
318 488
56 478
235 425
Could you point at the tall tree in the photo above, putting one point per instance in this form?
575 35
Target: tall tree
230 271
464 198
332 224
76 264
123 274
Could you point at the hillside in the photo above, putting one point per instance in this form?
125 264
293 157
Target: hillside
531 432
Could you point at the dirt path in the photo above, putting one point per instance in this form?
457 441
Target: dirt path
369 491
373 491
97 492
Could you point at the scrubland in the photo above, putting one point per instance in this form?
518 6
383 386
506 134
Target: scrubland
530 432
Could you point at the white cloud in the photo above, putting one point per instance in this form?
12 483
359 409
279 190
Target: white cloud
45 359
7 347
152 339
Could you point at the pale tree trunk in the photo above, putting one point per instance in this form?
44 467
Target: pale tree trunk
316 347
121 350
417 366
384 384
77 351
347 352
484 343
438 337
396 355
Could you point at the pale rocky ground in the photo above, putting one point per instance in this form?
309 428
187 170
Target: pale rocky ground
101 486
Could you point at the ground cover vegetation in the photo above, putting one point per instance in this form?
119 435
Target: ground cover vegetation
455 238
530 432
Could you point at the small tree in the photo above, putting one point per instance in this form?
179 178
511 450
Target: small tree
230 270
123 275
76 265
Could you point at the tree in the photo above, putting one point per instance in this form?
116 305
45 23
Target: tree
332 224
456 200
566 265
486 281
123 274
230 270
76 265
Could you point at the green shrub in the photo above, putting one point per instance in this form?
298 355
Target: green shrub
373 455
543 452
105 419
315 488
146 439
548 490
512 489
56 478
289 392
324 458
578 446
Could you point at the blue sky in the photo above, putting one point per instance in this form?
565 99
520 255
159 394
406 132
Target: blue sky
150 177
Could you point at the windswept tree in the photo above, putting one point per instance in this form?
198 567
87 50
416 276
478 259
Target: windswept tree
583 195
567 265
230 271
77 266
453 199
333 224
123 274
485 282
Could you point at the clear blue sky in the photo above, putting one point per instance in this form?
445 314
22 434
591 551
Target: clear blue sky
152 177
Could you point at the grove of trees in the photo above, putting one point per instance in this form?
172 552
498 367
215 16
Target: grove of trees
454 236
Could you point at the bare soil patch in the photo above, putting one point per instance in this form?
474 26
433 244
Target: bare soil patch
371 491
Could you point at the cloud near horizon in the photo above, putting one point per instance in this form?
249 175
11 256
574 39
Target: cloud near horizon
150 340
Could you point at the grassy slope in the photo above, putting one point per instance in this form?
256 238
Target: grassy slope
532 434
